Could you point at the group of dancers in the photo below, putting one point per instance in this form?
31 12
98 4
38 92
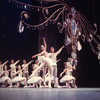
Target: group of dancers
46 62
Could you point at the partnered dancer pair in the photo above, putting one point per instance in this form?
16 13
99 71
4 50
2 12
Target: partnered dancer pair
49 60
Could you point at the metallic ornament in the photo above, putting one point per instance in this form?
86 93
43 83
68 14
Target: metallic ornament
73 27
73 54
67 40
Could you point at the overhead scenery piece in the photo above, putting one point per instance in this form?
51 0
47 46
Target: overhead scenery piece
76 26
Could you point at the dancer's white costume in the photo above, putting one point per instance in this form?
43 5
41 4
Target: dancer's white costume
18 78
13 67
68 76
34 76
1 67
5 78
25 70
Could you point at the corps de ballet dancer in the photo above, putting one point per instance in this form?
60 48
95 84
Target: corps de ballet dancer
5 79
35 79
2 65
19 79
68 77
25 70
13 65
53 55
48 62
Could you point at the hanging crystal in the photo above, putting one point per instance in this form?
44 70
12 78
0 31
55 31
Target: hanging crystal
20 27
73 11
75 62
25 6
99 56
73 54
46 11
79 33
67 40
73 27
79 47
98 47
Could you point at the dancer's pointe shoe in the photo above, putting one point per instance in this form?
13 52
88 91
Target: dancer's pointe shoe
57 86
69 87
10 86
25 86
75 86
50 86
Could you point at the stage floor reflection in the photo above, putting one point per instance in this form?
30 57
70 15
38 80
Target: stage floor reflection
49 94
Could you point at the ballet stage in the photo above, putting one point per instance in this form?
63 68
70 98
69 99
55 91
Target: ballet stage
49 94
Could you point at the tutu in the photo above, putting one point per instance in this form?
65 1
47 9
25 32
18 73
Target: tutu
34 79
4 78
48 78
66 78
48 61
17 79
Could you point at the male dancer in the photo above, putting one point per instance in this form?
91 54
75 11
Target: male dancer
53 56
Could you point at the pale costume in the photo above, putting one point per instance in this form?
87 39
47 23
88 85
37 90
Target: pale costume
13 67
35 78
1 66
5 78
25 70
67 77
19 78
53 57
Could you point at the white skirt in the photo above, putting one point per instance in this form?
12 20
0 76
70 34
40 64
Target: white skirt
48 78
18 79
48 61
66 78
34 79
4 78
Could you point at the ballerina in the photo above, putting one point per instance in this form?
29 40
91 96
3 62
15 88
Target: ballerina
19 78
2 65
13 65
5 79
35 79
25 66
48 62
68 77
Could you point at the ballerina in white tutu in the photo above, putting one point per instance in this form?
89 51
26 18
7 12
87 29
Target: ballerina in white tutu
13 65
19 79
2 65
25 66
68 77
5 79
48 62
35 79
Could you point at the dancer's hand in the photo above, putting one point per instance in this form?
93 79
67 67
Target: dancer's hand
63 46
34 56
43 38
60 75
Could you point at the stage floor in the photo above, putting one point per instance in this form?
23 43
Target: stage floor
49 94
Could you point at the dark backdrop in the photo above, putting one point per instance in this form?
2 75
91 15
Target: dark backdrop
14 45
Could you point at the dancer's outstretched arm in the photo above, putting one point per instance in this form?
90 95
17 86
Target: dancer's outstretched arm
63 72
30 62
59 50
5 63
45 44
16 62
39 54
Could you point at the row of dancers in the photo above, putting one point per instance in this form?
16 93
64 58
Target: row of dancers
46 62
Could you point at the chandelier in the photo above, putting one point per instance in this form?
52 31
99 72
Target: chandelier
76 25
